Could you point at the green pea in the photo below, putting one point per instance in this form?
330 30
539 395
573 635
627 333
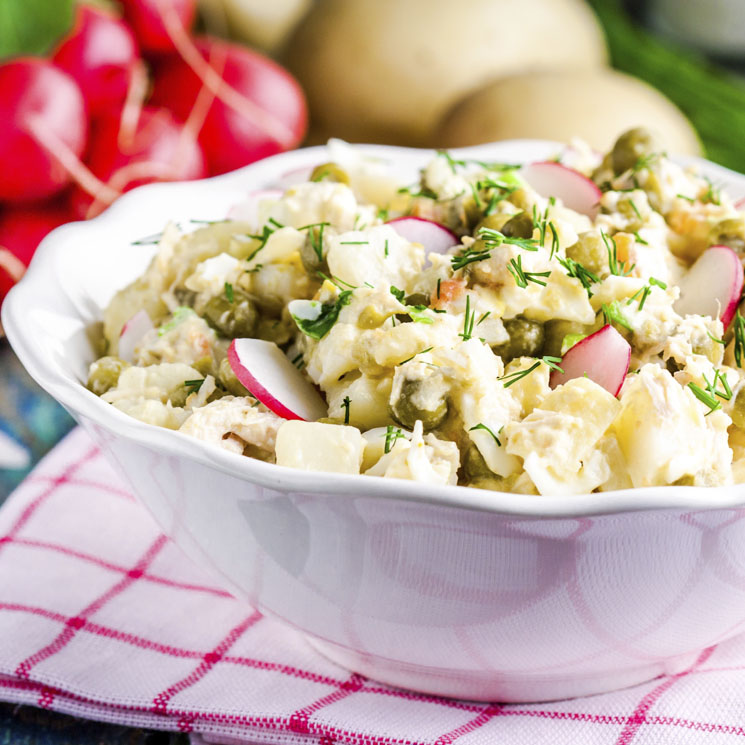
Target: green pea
591 252
738 410
329 172
519 226
630 146
526 339
104 374
408 408
228 380
232 320
729 232
474 466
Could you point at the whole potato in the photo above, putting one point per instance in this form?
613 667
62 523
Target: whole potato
387 70
596 105
265 24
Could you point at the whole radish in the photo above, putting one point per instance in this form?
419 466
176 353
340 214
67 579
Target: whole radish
250 106
43 124
157 148
22 228
100 53
146 17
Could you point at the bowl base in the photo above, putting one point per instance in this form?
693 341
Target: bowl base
508 688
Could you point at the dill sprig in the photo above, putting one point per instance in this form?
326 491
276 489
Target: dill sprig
616 267
193 386
739 329
644 291
613 314
468 321
229 294
391 435
578 271
346 405
515 268
705 397
513 377
270 227
481 425
491 239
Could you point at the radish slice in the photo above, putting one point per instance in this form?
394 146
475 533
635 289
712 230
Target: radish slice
712 286
434 237
552 179
266 372
248 209
603 357
740 204
132 332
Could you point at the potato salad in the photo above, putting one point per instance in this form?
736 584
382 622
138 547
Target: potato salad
550 328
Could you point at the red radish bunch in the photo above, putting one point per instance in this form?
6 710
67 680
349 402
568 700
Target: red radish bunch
81 128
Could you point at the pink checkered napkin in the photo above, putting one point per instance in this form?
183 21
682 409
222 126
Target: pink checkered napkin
102 617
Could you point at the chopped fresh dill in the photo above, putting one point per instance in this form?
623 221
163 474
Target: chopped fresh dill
148 240
316 236
483 318
578 271
491 239
713 194
705 397
409 359
739 327
193 386
554 240
398 294
209 222
439 282
639 239
391 435
714 339
297 358
644 292
481 425
634 207
385 250
269 227
613 314
229 292
616 267
346 404
336 281
354 243
515 268
468 321
688 199
513 377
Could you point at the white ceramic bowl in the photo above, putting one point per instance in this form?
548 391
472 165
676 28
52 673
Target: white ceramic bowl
455 591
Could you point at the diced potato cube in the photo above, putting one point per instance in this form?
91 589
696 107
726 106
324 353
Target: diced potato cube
316 446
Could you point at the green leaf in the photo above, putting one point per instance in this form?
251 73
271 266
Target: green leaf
32 26
320 316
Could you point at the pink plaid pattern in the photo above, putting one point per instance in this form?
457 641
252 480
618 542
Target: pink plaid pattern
102 617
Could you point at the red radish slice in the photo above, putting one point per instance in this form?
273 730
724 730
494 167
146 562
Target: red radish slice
603 357
266 372
552 179
248 209
434 237
712 286
132 332
740 204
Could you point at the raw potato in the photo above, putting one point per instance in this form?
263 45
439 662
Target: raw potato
265 24
595 105
387 70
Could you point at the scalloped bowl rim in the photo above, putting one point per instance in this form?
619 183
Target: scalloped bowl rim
39 282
